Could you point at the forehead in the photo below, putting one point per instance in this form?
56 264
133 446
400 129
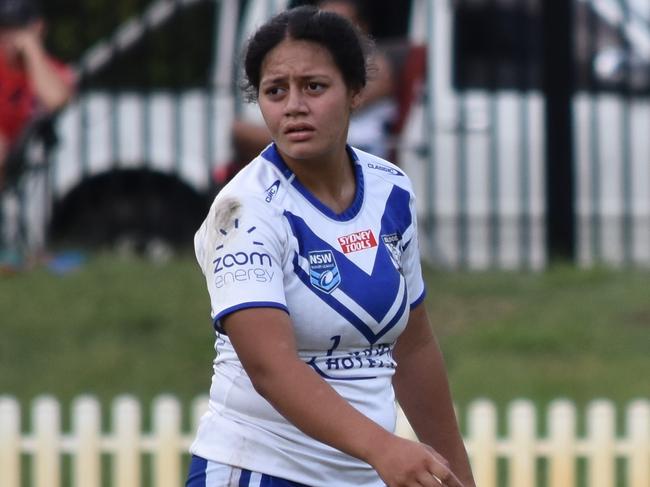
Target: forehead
298 58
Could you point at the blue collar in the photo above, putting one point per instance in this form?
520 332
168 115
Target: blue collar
272 155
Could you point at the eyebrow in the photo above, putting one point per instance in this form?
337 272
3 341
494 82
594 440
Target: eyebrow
277 79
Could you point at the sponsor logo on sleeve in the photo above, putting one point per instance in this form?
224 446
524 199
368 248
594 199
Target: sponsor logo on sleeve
244 265
393 243
357 241
271 191
386 169
324 274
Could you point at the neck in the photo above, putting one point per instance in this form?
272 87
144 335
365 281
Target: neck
331 180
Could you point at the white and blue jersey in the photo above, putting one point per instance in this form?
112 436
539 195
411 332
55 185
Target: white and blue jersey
347 281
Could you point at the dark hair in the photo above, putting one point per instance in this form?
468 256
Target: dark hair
18 13
362 7
347 45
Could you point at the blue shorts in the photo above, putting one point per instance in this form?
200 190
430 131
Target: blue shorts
205 473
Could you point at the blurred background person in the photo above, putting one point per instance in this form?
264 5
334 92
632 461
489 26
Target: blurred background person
32 83
369 125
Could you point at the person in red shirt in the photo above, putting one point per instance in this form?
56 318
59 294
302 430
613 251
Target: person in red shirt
31 81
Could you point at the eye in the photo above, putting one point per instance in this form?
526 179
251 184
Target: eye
315 87
274 92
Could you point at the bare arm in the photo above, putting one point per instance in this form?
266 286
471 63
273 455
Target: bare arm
51 87
249 138
265 344
380 83
423 392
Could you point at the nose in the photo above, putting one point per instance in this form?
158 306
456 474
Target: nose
295 102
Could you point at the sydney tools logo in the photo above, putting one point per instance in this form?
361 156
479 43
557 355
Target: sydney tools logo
354 242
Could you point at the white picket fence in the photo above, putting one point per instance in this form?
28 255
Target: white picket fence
167 442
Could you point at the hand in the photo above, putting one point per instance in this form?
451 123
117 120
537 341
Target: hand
26 38
20 42
405 463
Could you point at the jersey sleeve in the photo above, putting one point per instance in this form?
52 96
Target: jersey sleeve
240 250
411 261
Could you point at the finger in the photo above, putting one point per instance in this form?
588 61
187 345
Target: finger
430 480
444 475
441 471
448 479
437 482
425 479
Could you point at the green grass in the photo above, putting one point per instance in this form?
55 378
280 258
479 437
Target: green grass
124 325
119 325
579 334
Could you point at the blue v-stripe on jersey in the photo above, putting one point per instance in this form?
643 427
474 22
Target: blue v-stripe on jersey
347 280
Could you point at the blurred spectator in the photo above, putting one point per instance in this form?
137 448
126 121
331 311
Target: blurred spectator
32 83
369 125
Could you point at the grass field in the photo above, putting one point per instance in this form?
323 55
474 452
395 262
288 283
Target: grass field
125 325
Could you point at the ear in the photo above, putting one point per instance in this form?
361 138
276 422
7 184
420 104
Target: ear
355 101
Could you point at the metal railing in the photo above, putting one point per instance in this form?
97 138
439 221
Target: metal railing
476 155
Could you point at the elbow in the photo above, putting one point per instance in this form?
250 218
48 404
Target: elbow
262 388
263 376
57 101
56 96
64 98
269 377
259 378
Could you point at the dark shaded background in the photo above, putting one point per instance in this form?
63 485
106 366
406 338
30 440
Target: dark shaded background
159 60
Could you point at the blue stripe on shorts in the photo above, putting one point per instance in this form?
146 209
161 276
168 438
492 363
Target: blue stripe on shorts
245 478
196 477
199 468
268 481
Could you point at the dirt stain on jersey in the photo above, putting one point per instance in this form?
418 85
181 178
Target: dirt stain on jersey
219 225
225 212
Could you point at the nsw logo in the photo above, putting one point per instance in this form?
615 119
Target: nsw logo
323 272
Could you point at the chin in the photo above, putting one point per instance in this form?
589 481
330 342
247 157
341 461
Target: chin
299 151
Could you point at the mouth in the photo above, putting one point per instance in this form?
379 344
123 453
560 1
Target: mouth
299 131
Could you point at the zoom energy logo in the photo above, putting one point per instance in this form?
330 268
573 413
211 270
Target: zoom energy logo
244 265
323 272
